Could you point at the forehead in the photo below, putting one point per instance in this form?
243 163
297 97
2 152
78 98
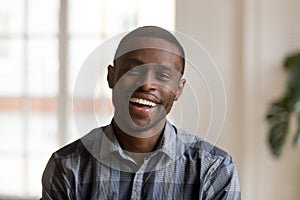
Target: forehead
150 50
141 42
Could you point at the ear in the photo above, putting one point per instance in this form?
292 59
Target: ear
179 89
110 76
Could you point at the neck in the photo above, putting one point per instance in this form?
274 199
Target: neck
139 144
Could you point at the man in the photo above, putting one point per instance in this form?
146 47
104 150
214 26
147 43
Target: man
141 155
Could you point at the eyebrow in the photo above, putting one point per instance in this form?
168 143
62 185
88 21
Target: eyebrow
135 60
140 62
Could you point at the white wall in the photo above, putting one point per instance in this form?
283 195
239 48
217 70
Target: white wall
249 39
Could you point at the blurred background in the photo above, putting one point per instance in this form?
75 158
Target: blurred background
43 44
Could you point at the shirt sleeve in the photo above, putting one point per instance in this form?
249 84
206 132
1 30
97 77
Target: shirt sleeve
56 182
222 181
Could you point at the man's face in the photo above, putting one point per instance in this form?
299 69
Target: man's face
145 83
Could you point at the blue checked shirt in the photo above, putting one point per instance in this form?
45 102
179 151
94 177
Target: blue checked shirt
182 167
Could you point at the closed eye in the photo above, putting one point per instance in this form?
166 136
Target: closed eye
163 76
134 71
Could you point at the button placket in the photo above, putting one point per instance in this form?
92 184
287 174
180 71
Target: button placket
137 186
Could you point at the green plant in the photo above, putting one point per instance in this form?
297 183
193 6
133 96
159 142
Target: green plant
280 111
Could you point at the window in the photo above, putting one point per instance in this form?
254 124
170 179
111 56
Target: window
42 46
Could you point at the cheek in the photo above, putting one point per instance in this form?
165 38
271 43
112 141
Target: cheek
169 89
168 98
168 107
126 82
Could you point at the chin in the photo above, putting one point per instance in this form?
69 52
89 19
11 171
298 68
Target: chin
145 126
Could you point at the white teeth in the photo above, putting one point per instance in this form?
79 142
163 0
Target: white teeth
142 101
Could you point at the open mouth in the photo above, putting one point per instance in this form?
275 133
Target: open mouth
142 102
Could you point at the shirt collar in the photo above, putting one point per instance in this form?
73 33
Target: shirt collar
168 141
108 143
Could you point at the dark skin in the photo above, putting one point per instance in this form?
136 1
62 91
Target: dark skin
145 84
134 144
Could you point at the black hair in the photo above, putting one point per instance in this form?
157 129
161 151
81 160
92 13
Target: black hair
154 32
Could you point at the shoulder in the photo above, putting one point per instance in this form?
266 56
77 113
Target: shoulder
204 150
70 149
69 159
78 147
73 154
63 170
217 168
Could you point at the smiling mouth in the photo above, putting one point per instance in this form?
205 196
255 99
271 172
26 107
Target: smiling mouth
142 102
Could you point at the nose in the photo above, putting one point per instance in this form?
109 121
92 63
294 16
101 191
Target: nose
147 81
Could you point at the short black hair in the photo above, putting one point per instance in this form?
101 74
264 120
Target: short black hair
154 32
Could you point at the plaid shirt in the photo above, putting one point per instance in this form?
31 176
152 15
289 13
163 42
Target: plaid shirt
183 167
